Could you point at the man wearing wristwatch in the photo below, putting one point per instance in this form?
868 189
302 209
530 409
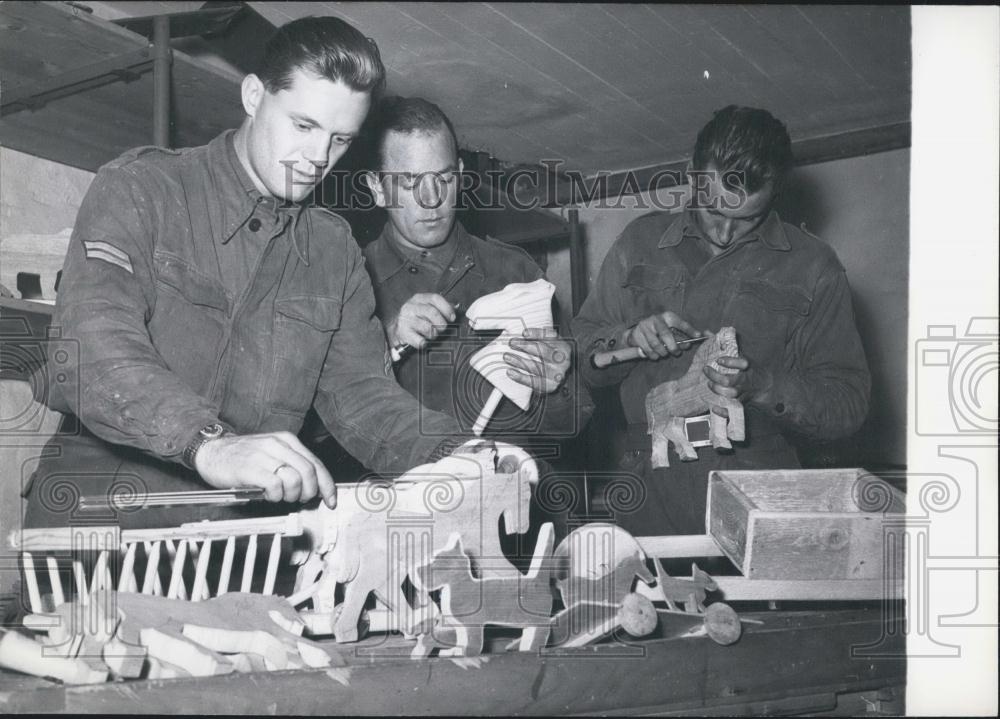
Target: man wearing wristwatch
212 305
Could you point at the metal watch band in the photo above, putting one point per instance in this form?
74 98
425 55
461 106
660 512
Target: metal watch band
205 434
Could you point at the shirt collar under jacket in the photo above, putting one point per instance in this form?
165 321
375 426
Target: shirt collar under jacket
389 259
771 232
239 198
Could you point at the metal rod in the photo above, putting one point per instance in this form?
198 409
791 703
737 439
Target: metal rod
161 81
169 499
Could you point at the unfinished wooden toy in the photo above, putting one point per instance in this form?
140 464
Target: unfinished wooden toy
596 568
513 309
379 533
469 604
668 404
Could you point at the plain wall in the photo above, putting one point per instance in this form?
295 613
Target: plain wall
860 206
39 200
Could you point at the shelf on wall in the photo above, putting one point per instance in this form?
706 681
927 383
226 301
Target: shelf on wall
44 43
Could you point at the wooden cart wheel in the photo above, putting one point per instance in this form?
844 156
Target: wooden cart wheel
722 624
637 615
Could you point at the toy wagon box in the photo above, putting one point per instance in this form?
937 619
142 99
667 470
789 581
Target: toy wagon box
805 523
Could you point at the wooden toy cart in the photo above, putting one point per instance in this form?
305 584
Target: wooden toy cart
829 534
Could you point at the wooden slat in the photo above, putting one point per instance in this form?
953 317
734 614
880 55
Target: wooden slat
176 589
248 563
31 580
679 546
200 589
55 581
227 566
740 589
126 580
152 568
272 564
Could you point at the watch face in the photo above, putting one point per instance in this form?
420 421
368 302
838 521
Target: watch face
212 431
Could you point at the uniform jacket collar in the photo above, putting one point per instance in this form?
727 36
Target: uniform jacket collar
771 233
238 198
385 259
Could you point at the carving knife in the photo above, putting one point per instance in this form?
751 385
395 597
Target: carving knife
399 351
610 357
242 495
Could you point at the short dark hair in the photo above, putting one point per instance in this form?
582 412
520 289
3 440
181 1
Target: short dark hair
406 115
746 140
324 46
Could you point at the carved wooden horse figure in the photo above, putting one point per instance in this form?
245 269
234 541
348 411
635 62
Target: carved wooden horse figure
379 533
668 404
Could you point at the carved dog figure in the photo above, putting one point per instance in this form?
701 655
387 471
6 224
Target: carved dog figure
469 604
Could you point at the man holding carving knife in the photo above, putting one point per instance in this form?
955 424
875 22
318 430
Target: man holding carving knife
727 260
212 305
427 270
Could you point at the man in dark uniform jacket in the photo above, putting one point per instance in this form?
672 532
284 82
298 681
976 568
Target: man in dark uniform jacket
727 260
212 308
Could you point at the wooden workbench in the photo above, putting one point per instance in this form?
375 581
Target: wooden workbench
793 663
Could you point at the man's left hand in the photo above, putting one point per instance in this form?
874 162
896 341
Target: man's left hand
733 386
548 362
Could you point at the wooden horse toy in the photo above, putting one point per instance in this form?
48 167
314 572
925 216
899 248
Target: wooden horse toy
468 603
668 404
379 533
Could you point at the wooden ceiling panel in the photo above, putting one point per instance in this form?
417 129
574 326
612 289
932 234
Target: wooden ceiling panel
613 86
599 86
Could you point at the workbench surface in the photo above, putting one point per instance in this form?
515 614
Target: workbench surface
794 662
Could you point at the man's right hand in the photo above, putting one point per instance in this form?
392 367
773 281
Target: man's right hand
653 336
420 320
277 462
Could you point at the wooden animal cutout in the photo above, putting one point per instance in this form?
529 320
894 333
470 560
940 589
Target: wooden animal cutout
132 633
513 309
669 403
469 604
379 533
596 567
689 592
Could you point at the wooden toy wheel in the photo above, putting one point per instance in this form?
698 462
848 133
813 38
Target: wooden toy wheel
722 624
637 615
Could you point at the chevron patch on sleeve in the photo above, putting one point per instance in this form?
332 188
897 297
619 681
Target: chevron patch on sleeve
97 250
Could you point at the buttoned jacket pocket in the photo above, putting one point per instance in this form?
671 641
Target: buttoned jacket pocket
654 289
189 320
766 315
303 329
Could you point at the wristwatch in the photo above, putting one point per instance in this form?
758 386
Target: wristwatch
205 434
